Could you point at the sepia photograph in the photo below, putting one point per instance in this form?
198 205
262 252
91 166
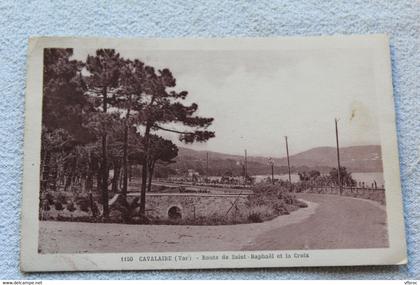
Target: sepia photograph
253 147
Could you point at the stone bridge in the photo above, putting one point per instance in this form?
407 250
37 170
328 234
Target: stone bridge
193 205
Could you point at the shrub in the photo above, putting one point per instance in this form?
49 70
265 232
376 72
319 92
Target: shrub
270 201
45 206
289 199
255 218
58 206
84 204
49 198
140 220
71 207
115 216
84 207
300 204
281 208
95 209
284 211
62 199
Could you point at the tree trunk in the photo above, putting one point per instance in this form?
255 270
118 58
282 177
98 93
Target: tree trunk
144 172
125 163
121 179
89 182
68 181
104 171
82 183
54 175
89 174
45 170
125 153
98 180
151 169
115 179
70 176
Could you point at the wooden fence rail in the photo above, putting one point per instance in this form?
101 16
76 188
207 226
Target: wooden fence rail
375 194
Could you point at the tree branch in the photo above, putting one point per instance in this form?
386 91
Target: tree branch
172 131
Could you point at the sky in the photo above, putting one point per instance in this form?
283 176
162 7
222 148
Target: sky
257 97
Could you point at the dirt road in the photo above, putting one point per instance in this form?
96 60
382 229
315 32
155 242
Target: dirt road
328 222
339 222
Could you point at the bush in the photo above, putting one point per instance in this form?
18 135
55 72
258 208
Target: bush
71 207
95 209
62 199
58 206
84 204
84 207
281 208
77 219
140 220
49 198
115 216
45 206
255 218
289 199
300 204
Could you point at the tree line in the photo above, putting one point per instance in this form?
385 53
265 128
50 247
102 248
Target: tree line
104 113
315 177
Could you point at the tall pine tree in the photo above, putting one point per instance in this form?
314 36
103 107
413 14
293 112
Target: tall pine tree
104 68
164 106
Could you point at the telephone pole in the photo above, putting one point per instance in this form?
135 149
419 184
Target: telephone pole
207 167
338 157
271 163
288 160
246 167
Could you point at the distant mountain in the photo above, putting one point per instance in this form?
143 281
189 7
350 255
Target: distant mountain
365 158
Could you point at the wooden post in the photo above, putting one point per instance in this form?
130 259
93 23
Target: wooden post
271 162
288 160
246 168
338 157
272 173
207 167
288 163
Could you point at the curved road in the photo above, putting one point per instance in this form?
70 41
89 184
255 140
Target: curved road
338 222
329 222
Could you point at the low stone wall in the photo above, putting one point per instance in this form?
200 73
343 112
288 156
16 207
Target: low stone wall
194 206
159 206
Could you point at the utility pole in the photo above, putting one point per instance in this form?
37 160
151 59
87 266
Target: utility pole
246 167
272 173
207 167
288 160
271 162
338 157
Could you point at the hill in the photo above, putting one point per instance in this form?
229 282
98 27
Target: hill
365 158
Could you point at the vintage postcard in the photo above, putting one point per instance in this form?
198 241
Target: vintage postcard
210 153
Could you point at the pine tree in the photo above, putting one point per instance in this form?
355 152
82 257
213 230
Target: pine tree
129 99
64 104
162 151
104 69
164 106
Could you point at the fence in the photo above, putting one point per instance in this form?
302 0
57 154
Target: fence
375 194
